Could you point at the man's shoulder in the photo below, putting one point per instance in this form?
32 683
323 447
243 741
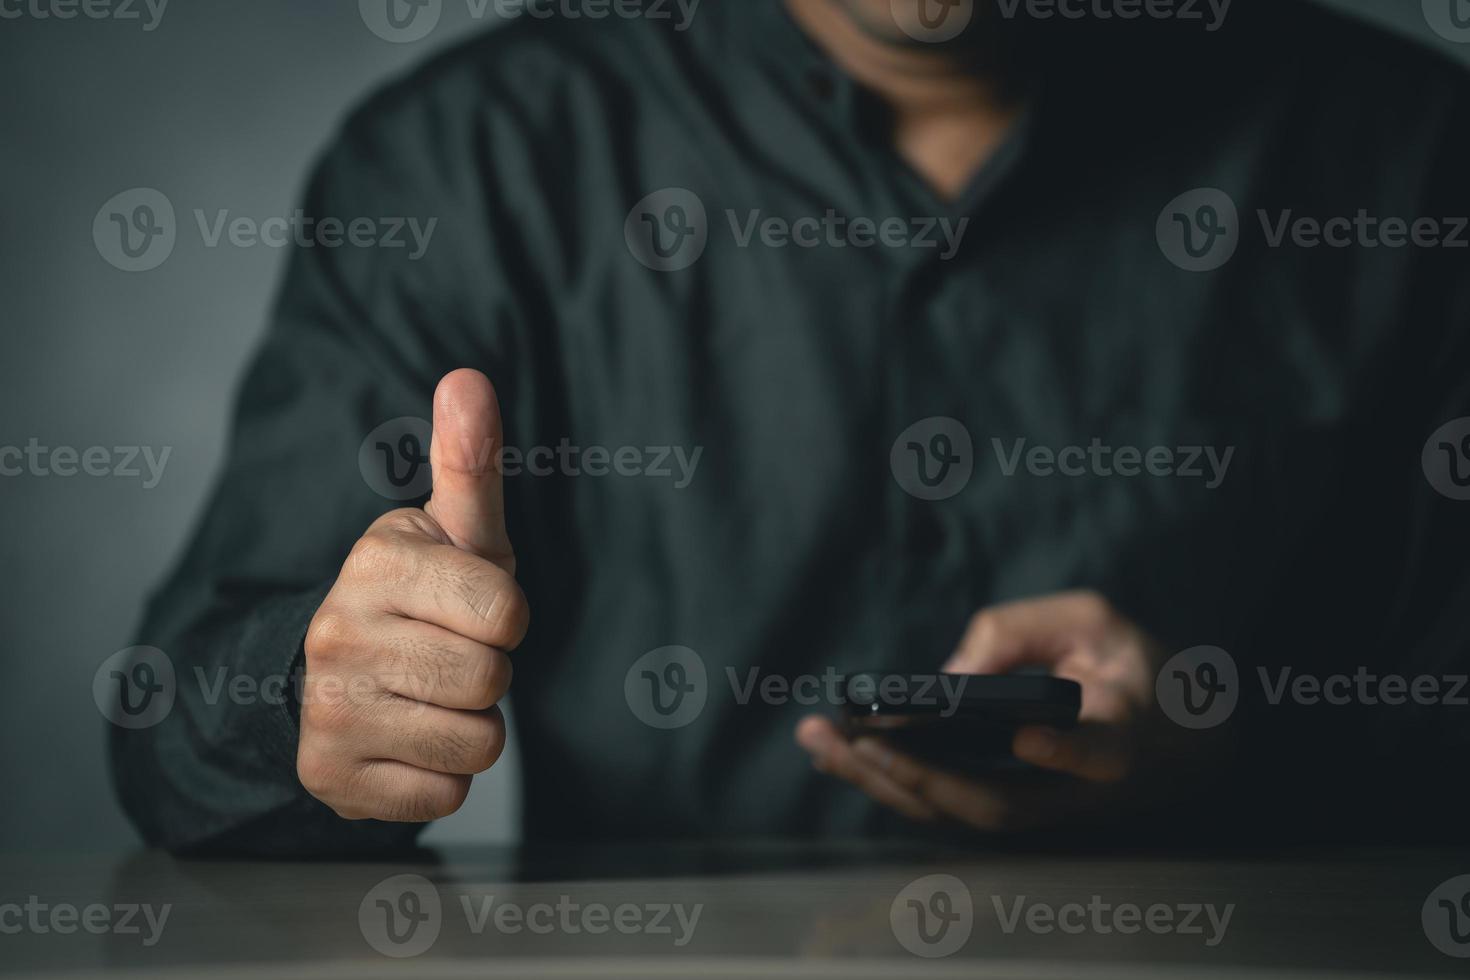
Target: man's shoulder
524 68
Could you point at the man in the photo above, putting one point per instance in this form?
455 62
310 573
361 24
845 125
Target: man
903 299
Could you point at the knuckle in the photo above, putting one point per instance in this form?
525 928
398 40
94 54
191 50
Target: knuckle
469 751
1093 605
510 617
489 680
497 604
404 521
317 774
330 631
985 627
380 557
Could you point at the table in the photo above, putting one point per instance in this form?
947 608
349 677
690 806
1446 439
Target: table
839 909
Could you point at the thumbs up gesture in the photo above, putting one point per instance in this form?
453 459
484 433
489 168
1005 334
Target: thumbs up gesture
406 658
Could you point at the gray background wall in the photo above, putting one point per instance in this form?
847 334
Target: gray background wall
223 105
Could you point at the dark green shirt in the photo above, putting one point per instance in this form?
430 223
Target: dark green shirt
905 408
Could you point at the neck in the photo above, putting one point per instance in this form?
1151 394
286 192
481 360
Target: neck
866 39
952 103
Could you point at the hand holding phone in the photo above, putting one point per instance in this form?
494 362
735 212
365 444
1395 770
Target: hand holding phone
964 722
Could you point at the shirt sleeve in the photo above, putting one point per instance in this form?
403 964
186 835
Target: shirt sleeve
357 339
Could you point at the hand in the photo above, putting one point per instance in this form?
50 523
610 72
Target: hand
1114 753
406 658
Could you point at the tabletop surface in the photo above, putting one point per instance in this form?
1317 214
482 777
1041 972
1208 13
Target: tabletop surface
828 910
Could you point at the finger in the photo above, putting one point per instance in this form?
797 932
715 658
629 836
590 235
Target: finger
468 500
1095 752
421 579
397 792
981 804
431 664
832 754
429 737
1028 633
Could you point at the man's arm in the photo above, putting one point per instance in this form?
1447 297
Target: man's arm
359 337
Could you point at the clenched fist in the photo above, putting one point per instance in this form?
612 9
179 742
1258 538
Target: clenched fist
406 658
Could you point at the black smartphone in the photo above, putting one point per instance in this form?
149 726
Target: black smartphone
962 722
